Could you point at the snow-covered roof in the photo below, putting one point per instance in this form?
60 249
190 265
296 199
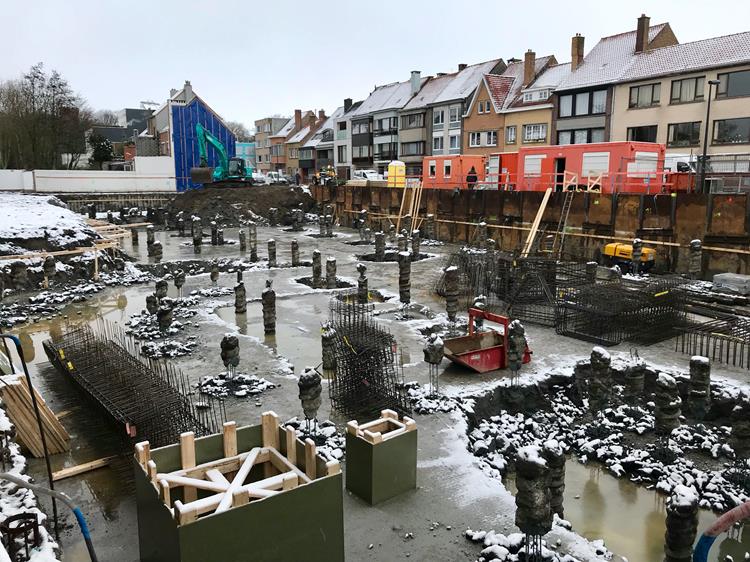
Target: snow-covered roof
285 130
551 76
429 92
608 60
327 125
715 52
383 98
300 135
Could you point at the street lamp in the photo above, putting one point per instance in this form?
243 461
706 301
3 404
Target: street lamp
705 136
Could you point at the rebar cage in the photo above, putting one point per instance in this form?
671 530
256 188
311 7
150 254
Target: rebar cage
367 379
151 399
723 340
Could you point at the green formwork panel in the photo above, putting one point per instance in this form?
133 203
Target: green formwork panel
377 472
305 523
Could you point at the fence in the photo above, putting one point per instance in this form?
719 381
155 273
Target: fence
151 174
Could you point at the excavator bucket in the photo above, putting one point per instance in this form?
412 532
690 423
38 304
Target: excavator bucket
202 175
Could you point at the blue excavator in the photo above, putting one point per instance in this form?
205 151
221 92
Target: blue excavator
230 172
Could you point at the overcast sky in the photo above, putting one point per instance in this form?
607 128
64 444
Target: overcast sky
250 59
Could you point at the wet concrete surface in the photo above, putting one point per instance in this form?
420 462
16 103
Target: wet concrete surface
451 491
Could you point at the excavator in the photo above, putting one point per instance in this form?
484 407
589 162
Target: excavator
231 172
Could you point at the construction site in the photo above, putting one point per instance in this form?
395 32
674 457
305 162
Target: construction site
375 373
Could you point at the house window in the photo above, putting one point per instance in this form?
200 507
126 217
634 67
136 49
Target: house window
535 133
454 143
599 102
528 96
566 106
510 134
360 128
437 144
582 103
644 96
412 148
732 131
438 117
447 169
580 136
544 94
475 139
487 106
687 90
342 153
293 153
342 125
645 133
412 121
564 137
432 168
491 138
361 151
733 84
684 134
454 117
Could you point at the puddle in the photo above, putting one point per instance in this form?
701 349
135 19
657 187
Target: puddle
630 518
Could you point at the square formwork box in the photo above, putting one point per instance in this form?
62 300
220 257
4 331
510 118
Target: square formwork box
381 457
300 522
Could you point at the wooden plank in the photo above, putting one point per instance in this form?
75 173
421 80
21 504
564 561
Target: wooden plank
242 473
83 468
291 444
284 465
535 225
187 457
164 493
289 481
143 453
230 439
333 467
310 451
270 435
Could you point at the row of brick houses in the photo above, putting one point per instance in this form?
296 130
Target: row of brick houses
641 85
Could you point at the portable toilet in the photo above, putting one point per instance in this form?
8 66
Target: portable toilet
396 174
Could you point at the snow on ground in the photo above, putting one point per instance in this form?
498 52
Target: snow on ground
14 500
27 217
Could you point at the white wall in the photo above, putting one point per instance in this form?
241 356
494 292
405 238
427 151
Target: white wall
151 174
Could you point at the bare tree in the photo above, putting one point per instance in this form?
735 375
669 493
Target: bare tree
240 131
106 117
40 119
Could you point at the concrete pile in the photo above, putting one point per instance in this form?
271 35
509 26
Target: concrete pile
533 512
310 389
214 233
91 209
740 421
636 256
272 253
242 239
152 303
230 354
600 381
361 223
298 216
668 405
362 290
240 298
516 346
273 216
481 234
150 235
392 233
555 456
49 268
268 300
134 236
682 525
367 234
220 236
401 242
180 223
317 270
434 351
430 227
695 261
404 277
379 246
155 250
161 288
329 225
252 238
179 280
321 225
490 245
328 351
295 253
451 292
406 224
700 386
330 272
635 377
214 275
415 243
164 317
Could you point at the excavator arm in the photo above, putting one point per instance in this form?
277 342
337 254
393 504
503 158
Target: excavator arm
205 174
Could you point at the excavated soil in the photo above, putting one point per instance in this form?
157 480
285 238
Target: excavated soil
234 203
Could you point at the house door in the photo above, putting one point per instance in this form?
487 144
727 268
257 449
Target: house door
559 173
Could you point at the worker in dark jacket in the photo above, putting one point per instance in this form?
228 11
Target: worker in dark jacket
471 178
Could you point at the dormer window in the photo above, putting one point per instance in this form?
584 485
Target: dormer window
544 94
528 96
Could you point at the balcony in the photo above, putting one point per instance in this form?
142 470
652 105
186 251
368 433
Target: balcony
386 155
438 126
454 125
385 132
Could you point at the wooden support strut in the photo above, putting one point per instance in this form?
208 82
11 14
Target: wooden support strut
187 458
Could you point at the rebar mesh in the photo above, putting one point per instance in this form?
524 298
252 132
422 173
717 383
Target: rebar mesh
367 378
724 340
151 400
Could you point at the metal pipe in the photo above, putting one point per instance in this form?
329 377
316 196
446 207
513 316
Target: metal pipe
54 494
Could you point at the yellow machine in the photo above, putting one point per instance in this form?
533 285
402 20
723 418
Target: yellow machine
622 255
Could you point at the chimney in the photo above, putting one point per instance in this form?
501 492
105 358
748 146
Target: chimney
415 81
347 104
297 119
461 66
641 34
172 93
529 61
576 51
188 91
322 114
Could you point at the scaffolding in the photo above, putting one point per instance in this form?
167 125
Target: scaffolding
151 400
367 378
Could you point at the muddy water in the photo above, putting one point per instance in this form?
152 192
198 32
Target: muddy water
630 518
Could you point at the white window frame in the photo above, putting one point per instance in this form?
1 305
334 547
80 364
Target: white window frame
487 106
457 111
535 132
442 142
475 135
441 114
432 168
457 143
532 165
447 168
490 138
544 94
480 109
510 135
528 96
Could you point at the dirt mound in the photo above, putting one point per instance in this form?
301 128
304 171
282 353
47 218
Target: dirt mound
233 203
